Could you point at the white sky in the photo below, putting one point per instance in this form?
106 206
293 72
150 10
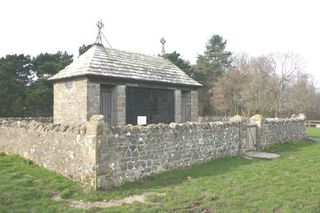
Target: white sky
252 26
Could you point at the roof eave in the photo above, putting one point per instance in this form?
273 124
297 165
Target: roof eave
198 85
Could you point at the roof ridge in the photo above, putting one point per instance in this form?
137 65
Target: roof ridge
132 52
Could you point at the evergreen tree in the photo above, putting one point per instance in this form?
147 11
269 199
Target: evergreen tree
179 62
84 48
39 95
47 65
213 63
14 77
24 88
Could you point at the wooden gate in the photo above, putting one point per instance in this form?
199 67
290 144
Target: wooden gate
251 139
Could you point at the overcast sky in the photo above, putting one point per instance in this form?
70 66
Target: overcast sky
252 26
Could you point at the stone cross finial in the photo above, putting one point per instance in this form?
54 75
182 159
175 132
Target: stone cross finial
163 41
100 25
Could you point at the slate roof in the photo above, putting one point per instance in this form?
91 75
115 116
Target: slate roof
113 63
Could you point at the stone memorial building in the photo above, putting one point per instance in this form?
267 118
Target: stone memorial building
125 87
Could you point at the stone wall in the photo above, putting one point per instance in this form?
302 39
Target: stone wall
103 157
212 118
64 149
132 152
39 119
275 131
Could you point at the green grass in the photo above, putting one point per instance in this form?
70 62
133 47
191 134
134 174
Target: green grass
313 132
288 184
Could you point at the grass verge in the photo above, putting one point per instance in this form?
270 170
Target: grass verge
313 132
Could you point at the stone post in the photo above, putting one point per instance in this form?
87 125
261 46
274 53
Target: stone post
95 135
99 133
177 106
258 121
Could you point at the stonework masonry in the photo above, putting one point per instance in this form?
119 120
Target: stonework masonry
66 150
274 131
77 99
39 119
103 157
70 101
93 98
189 107
133 152
177 106
119 105
194 105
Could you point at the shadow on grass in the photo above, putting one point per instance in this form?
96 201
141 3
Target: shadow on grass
179 175
173 177
292 146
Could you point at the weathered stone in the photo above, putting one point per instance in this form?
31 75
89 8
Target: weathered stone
262 155
177 106
119 105
236 119
55 147
70 101
103 157
194 105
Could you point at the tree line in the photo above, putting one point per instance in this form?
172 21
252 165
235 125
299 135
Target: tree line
272 85
24 87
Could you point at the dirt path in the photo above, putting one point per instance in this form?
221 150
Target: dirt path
105 204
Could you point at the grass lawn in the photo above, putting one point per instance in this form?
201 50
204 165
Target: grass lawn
290 183
313 132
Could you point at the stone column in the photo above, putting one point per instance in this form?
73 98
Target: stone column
177 106
119 105
93 99
194 105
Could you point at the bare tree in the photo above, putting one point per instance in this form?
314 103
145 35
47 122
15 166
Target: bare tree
226 96
302 96
273 85
257 94
287 66
240 60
